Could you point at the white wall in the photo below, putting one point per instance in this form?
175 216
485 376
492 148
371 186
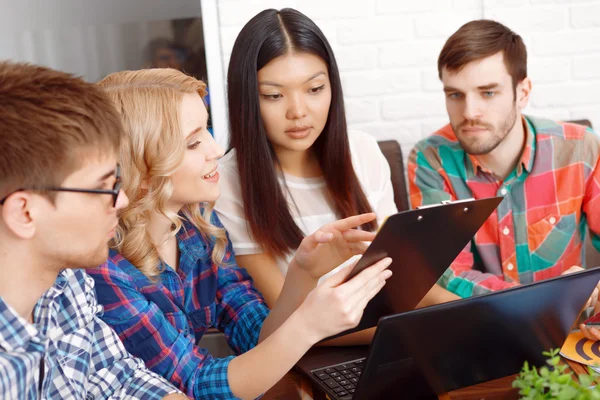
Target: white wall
387 51
90 38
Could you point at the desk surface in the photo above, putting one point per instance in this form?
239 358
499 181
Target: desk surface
499 388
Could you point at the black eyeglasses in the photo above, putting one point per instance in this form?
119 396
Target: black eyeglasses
114 191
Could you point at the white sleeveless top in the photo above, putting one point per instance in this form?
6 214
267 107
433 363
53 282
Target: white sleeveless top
308 199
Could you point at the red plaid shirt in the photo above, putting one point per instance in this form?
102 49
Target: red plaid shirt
550 199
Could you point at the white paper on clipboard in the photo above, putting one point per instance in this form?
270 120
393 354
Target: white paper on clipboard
349 262
444 202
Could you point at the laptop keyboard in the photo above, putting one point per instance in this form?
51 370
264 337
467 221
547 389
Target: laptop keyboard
341 379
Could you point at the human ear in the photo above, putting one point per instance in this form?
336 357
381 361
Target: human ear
17 214
522 93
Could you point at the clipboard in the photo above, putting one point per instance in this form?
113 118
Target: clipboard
422 243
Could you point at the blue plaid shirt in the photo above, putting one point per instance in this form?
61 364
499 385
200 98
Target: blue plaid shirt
162 322
82 356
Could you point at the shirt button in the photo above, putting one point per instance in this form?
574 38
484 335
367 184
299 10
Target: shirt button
506 231
552 220
503 191
510 266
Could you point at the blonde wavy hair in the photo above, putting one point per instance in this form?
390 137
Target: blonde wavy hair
153 148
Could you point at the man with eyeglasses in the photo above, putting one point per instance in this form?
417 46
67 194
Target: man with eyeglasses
59 198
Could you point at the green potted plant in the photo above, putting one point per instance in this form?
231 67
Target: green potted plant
553 382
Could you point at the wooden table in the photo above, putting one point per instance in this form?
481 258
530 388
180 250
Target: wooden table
499 389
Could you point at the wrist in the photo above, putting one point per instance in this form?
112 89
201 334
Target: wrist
308 334
300 277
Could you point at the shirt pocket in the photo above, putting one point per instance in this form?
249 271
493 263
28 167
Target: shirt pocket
178 319
204 317
73 361
549 237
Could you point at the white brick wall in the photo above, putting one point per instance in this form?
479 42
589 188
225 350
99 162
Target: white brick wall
387 52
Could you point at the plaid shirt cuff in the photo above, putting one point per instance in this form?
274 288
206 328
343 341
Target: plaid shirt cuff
248 326
212 381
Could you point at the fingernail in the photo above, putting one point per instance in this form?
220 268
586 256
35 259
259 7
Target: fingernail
387 273
387 262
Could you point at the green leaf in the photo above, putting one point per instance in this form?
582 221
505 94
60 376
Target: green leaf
555 381
564 379
554 361
569 393
586 380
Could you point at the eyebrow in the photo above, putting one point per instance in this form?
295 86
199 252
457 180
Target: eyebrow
107 175
450 89
198 129
270 83
482 87
488 86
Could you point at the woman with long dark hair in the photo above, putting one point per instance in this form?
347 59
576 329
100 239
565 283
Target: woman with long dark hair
293 164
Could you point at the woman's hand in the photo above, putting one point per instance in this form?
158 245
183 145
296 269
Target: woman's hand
331 245
335 306
591 333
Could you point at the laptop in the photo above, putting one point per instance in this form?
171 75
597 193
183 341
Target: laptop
422 244
422 353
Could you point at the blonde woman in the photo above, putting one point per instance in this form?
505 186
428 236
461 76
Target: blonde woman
172 274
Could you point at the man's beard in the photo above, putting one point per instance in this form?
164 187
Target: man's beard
481 146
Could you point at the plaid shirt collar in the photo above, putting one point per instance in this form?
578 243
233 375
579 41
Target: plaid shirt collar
527 157
16 333
189 243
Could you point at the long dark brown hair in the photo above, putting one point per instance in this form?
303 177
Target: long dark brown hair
269 35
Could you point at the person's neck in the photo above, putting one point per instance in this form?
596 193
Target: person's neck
302 164
160 227
506 156
24 277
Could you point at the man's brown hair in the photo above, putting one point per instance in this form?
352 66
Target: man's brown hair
482 38
50 122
